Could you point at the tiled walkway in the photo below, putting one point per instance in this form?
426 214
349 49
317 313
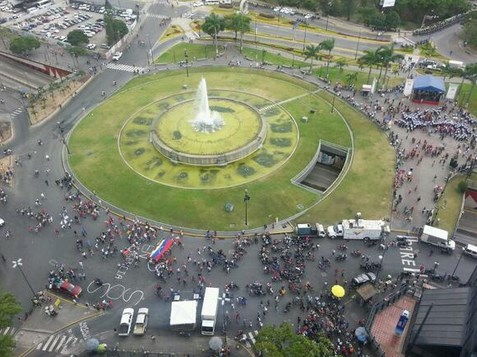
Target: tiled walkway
385 322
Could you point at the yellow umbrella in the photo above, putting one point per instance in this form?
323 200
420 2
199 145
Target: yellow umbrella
338 291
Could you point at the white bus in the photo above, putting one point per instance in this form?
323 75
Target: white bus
43 3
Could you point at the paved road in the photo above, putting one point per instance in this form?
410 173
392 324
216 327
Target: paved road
136 285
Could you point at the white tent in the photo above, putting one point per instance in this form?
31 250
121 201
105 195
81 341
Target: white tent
183 314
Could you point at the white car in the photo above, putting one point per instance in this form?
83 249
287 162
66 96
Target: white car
126 322
117 56
2 222
141 321
91 46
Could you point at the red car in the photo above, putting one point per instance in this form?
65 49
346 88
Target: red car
70 289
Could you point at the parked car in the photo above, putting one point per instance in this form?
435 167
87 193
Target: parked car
141 321
68 288
126 322
117 56
2 222
363 279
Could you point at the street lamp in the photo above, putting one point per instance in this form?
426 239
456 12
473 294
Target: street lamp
357 46
246 198
224 296
186 56
18 264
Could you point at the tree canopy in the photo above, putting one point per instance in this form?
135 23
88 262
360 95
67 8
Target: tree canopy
115 29
24 44
212 25
77 37
9 307
281 341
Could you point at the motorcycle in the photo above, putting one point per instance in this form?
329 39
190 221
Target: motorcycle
356 253
232 286
341 257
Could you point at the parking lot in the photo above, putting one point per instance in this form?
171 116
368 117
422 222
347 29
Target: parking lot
55 22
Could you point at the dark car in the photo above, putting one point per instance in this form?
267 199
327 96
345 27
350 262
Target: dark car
363 279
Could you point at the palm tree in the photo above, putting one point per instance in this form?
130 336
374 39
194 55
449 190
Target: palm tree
212 25
327 45
351 77
369 59
387 57
239 23
311 52
340 63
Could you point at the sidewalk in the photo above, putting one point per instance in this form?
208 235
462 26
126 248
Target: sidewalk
384 325
38 326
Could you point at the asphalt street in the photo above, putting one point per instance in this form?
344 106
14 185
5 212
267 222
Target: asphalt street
135 287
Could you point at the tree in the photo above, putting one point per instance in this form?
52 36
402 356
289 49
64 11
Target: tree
239 23
327 45
369 59
115 29
388 56
24 44
351 78
340 63
77 37
392 20
212 25
470 31
311 52
281 341
9 307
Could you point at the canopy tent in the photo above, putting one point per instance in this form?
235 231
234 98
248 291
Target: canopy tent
428 89
161 249
183 314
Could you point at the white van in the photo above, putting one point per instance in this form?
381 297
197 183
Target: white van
470 250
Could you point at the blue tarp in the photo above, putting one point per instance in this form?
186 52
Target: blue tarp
429 83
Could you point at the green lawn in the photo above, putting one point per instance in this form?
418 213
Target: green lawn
194 52
96 161
450 204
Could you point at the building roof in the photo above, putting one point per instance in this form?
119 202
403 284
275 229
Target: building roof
445 324
430 83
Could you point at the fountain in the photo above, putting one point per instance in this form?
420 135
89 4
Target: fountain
206 120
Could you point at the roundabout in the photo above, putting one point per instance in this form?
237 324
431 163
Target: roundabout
117 149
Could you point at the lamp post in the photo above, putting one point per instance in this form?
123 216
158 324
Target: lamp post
18 264
246 198
224 317
186 56
304 39
357 46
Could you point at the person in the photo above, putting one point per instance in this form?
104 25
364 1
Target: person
114 83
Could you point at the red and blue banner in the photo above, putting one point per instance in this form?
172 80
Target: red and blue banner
161 249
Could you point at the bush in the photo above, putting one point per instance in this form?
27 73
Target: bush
462 186
267 16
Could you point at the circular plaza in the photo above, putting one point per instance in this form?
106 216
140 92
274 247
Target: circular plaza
141 151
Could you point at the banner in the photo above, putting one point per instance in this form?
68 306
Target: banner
373 85
452 91
408 87
389 3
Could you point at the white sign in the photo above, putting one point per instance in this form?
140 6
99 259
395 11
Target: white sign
408 87
389 3
452 91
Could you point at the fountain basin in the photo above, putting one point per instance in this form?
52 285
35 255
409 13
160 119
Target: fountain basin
243 132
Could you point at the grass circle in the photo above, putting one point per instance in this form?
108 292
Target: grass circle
111 153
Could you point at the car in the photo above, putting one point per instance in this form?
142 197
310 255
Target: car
141 321
126 322
363 279
91 46
70 289
2 222
117 56
335 231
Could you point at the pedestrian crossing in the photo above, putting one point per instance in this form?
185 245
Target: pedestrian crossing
8 331
249 338
267 108
125 67
57 343
16 112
